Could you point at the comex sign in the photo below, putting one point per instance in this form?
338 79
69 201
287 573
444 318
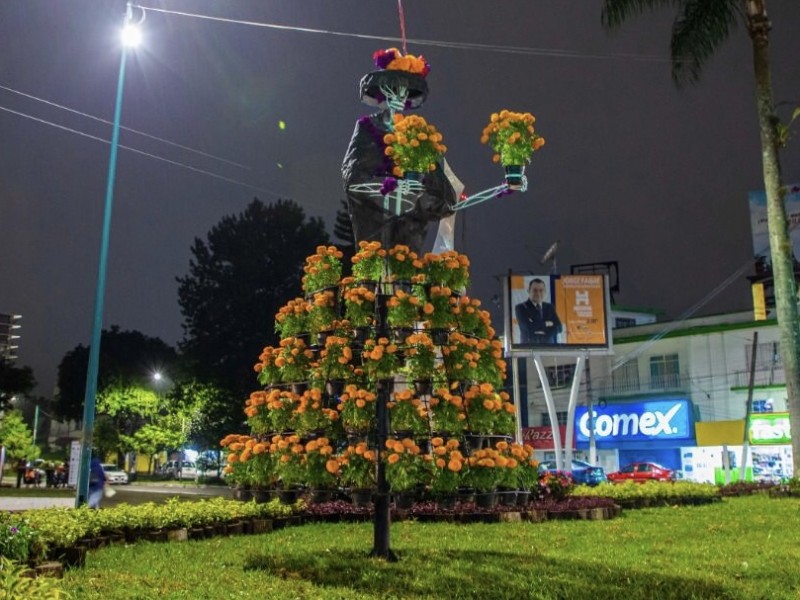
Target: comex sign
654 420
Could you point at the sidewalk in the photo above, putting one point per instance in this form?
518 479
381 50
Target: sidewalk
22 503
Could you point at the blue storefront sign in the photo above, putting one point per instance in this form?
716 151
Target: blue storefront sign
662 420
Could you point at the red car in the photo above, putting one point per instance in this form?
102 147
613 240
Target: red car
641 472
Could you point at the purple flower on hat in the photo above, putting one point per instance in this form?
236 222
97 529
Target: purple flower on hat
389 185
382 58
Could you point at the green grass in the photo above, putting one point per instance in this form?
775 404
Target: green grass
741 548
36 492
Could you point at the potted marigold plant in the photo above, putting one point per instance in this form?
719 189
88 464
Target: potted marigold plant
448 269
268 372
461 357
262 466
513 138
415 146
483 405
281 405
294 360
491 365
402 310
447 470
359 306
334 364
404 264
407 414
380 359
289 466
447 412
368 261
420 361
322 313
357 409
438 313
471 319
483 475
311 417
292 318
357 471
406 468
320 471
322 269
257 412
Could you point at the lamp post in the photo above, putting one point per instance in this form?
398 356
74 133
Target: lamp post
130 38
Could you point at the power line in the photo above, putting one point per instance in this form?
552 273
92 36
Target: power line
147 135
147 154
550 52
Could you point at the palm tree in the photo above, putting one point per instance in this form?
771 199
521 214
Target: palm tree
700 27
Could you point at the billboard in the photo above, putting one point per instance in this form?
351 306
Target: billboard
770 428
557 312
758 220
664 419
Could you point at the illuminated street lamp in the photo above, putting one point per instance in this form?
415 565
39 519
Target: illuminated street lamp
129 38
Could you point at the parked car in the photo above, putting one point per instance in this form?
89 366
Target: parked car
177 469
582 473
641 472
114 474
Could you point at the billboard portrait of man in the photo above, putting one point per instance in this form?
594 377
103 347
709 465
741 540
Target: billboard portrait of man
536 317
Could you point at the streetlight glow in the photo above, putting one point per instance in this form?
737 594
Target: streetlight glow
131 35
157 376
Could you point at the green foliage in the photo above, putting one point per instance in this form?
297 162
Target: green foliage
18 540
16 437
16 583
655 492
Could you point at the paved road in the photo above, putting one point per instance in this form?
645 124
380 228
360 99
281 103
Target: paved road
137 493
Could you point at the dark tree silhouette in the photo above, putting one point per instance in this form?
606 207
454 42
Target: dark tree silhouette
13 381
247 268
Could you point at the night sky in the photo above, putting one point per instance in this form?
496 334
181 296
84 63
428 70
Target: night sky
634 170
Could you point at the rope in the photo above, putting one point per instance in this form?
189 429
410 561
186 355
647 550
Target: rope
402 25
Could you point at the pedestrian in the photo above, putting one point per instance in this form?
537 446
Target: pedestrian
97 482
22 466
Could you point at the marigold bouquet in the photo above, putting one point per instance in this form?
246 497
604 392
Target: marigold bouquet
357 466
322 269
407 413
380 358
414 145
405 466
512 136
357 408
368 261
292 319
268 372
359 306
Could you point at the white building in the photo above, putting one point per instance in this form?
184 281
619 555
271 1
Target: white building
672 393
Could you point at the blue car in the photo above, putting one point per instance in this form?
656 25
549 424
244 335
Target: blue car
582 473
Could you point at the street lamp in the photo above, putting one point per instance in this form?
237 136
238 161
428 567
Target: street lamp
128 38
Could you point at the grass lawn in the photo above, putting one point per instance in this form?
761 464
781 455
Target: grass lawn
741 548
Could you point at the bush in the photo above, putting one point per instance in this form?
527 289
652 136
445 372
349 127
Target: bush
17 584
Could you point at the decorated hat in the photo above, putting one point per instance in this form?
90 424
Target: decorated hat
396 70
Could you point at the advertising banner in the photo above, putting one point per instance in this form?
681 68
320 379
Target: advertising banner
541 436
770 428
557 312
663 419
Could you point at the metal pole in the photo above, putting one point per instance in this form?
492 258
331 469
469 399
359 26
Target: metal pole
381 534
97 326
35 423
749 408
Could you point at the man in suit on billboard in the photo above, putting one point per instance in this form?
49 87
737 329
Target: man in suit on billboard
537 319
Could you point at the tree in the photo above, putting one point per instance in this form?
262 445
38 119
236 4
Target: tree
344 235
17 437
126 358
247 268
14 381
700 27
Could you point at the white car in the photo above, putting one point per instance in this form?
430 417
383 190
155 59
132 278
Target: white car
114 474
177 469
